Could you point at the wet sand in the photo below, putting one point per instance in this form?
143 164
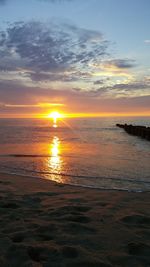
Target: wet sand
44 224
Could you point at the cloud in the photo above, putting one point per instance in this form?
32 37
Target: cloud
14 93
130 89
120 63
58 63
117 64
66 76
54 52
100 82
50 51
114 67
147 41
135 85
17 99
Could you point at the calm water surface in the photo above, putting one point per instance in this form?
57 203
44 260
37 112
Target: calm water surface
87 152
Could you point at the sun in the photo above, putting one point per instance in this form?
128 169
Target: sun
55 115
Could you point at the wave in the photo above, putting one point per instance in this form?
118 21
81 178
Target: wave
35 156
122 180
24 155
114 188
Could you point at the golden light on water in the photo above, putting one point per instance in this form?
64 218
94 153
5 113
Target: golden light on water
55 160
55 147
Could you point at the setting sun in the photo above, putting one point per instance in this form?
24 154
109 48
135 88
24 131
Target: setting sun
55 115
74 133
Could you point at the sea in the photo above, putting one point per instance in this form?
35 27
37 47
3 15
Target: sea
89 152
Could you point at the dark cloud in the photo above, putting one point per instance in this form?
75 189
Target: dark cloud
121 63
128 90
137 85
71 76
101 82
38 47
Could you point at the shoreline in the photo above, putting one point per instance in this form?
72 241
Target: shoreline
79 185
44 223
36 179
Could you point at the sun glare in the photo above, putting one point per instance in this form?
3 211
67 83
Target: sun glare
55 115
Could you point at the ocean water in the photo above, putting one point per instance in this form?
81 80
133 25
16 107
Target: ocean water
85 152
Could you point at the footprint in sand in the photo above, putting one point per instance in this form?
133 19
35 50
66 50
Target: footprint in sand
46 232
89 263
71 213
138 249
77 218
70 209
18 237
77 228
10 205
136 219
5 182
69 252
40 253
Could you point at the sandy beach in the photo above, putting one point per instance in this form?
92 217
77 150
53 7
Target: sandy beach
45 224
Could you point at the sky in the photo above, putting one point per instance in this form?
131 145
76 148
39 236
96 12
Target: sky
85 57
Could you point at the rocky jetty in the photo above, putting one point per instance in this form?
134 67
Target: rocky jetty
141 131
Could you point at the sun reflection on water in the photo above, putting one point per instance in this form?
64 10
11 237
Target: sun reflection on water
55 125
55 160
55 150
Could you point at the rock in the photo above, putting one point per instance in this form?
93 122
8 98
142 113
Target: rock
141 131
